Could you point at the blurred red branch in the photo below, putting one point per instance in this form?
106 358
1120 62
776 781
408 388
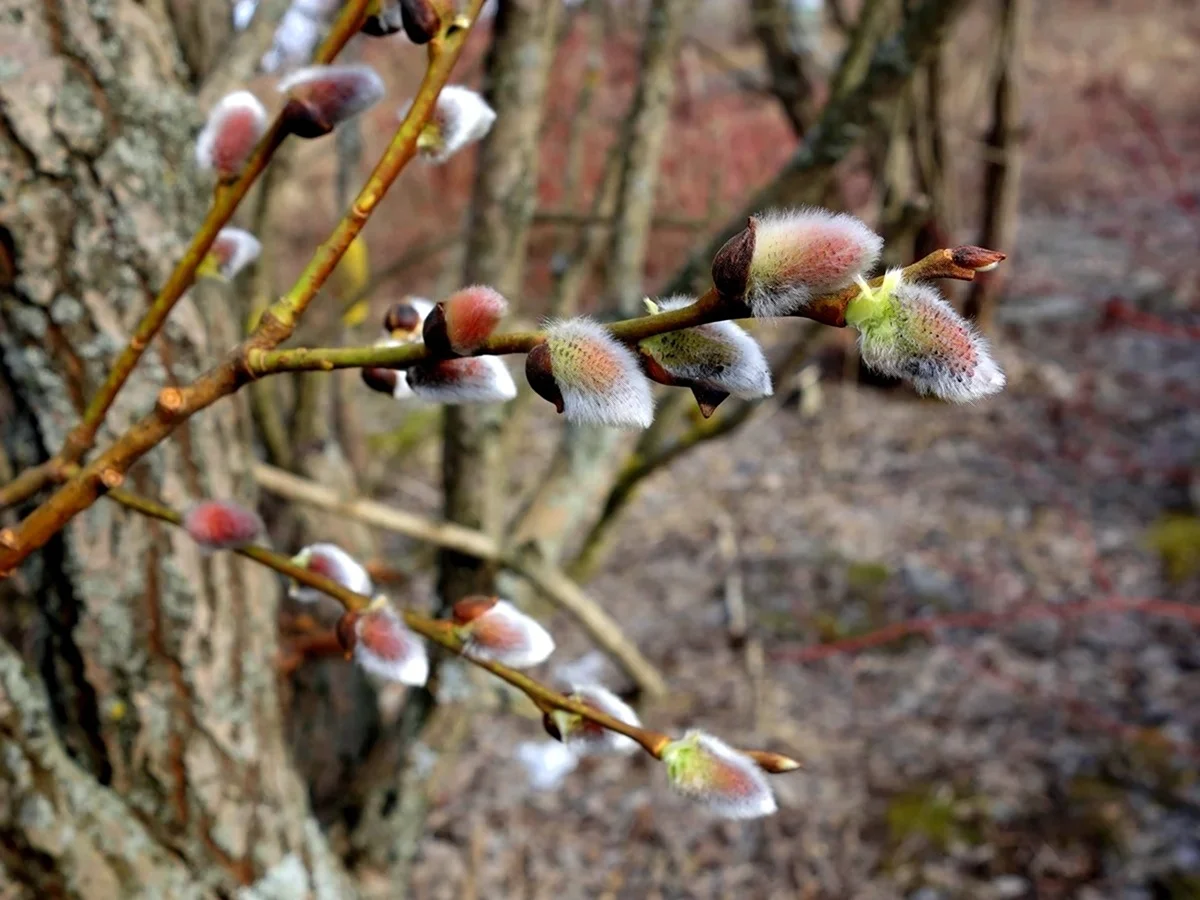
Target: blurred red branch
1119 312
929 625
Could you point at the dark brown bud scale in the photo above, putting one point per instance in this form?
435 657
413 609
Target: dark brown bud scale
978 259
551 727
304 120
540 374
401 316
774 763
421 20
434 333
731 265
708 399
347 631
380 379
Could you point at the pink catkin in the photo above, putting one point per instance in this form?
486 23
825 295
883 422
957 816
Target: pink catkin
221 525
472 315
233 130
334 93
803 254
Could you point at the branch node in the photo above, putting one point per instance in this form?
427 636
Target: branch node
170 402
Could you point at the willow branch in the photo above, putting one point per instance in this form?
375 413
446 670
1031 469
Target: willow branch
225 203
641 465
552 582
829 309
435 631
176 405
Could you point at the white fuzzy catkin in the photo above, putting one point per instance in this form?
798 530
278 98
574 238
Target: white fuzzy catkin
506 635
599 378
387 648
730 783
919 337
333 562
720 354
235 249
801 254
589 739
219 150
460 118
473 379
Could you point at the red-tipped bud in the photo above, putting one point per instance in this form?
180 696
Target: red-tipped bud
334 563
906 330
322 97
781 261
496 630
384 646
463 322
978 259
421 20
774 763
473 379
234 128
222 525
729 782
584 736
590 376
716 361
233 250
461 117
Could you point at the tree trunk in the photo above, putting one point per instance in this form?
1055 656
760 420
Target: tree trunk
146 758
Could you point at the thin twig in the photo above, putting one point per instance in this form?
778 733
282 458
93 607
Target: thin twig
225 203
556 586
436 631
176 405
931 624
829 309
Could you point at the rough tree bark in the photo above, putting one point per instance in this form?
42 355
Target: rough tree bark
146 758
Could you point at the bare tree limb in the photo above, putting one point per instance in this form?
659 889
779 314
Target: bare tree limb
557 587
1002 168
240 59
843 121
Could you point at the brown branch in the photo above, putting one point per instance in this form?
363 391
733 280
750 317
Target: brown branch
864 80
225 203
790 65
440 632
176 405
641 141
1002 168
240 59
566 218
641 465
928 626
553 583
829 309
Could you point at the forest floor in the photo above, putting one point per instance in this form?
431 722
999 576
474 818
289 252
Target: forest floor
1049 749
